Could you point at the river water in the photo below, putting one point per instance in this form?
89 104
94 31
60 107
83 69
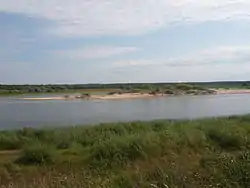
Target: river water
17 113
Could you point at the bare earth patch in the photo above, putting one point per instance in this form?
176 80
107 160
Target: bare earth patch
233 91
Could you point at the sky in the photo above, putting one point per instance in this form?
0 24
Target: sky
111 41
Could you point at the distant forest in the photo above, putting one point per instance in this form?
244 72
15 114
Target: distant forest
9 89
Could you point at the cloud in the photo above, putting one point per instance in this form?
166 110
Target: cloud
125 17
215 56
95 52
218 63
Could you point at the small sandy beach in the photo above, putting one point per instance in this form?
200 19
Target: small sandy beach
122 96
44 98
135 95
99 97
232 91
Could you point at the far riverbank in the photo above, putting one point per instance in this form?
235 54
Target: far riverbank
232 91
132 95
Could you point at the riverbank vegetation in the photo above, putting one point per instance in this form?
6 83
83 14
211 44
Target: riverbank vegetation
84 92
89 88
197 153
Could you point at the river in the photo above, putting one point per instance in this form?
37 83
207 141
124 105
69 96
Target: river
17 113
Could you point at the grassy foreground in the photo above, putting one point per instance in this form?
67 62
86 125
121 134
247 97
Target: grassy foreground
163 154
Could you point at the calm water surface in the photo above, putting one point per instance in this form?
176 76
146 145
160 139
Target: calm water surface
17 113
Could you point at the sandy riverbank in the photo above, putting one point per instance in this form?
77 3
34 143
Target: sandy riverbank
232 91
44 98
99 97
122 96
136 95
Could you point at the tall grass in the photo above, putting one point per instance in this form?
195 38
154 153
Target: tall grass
37 154
199 153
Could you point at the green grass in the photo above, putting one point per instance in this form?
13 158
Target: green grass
198 153
37 154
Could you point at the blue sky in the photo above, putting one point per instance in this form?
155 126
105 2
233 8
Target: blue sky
99 41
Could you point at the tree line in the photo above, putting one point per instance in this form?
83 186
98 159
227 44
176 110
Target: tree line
50 88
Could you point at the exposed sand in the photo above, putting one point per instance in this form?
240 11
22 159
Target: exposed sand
99 97
232 91
45 98
136 95
122 96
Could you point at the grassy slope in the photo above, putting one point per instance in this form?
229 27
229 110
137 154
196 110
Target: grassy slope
200 153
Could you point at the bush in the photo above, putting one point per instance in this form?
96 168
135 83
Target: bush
184 86
225 140
9 142
37 155
169 92
158 126
112 93
121 151
63 141
64 144
197 87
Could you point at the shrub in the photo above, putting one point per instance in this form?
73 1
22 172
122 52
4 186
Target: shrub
158 126
63 141
37 155
75 149
112 93
9 142
169 91
64 144
225 140
197 87
184 86
120 151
